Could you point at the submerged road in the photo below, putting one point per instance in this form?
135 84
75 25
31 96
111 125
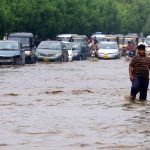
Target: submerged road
78 105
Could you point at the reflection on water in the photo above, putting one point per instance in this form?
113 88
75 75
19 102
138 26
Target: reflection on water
75 105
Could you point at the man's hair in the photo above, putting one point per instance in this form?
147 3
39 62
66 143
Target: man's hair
141 46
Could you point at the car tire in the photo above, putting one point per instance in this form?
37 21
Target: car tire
18 61
80 58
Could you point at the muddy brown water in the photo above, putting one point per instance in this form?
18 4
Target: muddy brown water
78 105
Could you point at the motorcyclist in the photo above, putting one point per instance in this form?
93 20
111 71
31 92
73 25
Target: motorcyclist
94 46
130 50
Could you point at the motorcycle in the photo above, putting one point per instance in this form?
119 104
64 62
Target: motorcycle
93 54
129 55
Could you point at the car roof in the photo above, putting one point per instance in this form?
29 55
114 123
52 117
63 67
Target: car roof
66 42
51 41
20 34
79 36
65 35
98 35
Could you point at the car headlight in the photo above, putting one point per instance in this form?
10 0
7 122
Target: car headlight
58 54
28 53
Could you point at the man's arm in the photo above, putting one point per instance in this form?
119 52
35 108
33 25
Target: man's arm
130 73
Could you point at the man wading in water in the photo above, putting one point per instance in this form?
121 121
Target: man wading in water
139 74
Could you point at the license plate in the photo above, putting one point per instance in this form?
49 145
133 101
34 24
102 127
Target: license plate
5 60
46 59
106 56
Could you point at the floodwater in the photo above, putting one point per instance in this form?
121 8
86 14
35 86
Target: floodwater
80 105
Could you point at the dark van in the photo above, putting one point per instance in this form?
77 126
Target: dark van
27 41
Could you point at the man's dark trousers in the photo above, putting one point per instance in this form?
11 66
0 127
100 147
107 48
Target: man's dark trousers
140 85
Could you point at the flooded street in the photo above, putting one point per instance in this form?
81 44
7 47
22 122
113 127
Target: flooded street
78 105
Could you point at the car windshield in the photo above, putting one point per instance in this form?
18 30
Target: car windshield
8 46
50 45
108 45
24 41
75 46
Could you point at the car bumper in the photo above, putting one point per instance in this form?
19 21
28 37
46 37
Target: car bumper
107 56
6 60
47 59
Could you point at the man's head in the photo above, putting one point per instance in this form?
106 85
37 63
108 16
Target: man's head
129 42
142 40
141 49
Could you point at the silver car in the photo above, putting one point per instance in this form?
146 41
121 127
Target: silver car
52 51
11 52
108 49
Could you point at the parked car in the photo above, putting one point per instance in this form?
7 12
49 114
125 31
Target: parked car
108 49
69 48
81 51
27 40
52 51
11 52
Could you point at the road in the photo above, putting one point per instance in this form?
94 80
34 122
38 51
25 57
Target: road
78 105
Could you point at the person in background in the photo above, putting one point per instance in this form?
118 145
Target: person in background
36 41
5 36
139 74
131 49
143 42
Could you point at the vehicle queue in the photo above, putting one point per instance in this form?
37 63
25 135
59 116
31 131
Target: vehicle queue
20 48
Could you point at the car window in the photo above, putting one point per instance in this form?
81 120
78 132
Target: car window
50 45
67 46
75 46
24 41
108 45
9 45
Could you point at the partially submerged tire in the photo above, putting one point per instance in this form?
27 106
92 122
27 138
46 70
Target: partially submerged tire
18 61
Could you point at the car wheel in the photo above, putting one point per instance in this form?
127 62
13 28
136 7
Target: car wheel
80 57
18 61
61 59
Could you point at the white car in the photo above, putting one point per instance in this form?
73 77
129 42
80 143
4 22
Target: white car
69 48
108 49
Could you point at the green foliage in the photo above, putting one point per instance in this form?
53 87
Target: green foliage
47 18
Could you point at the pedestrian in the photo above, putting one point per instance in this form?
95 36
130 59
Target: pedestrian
5 36
143 42
139 74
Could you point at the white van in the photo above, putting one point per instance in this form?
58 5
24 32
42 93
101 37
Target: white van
99 37
64 37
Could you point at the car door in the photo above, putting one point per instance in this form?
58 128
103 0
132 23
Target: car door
84 51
